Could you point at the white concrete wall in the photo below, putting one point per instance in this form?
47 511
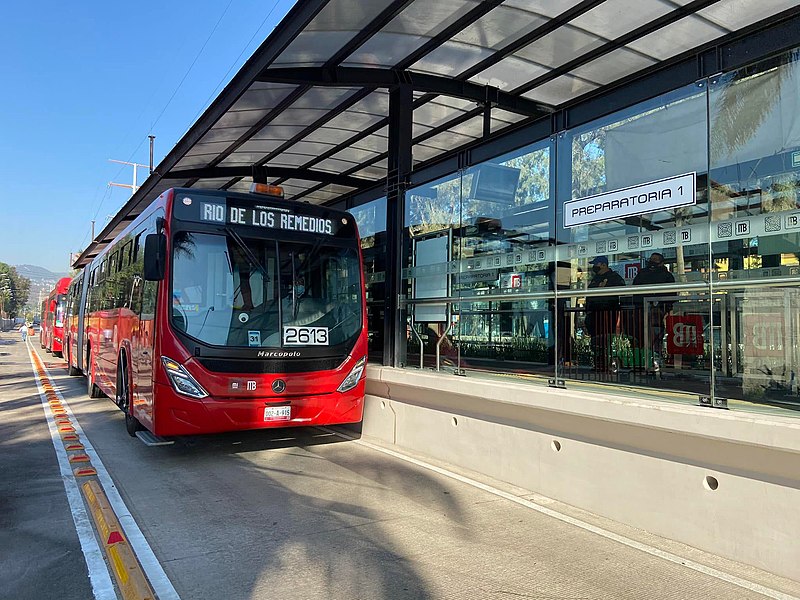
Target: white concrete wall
639 462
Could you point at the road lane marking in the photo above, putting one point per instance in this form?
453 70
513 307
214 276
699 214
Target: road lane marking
159 581
99 578
631 543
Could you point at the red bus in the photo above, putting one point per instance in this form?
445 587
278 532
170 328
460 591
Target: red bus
74 315
52 334
217 311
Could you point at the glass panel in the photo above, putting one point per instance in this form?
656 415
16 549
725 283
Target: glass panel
500 27
451 59
263 95
509 73
736 14
374 143
278 284
409 30
636 214
288 159
191 162
547 8
241 118
755 229
560 90
614 18
262 147
329 31
371 220
613 66
480 242
755 159
212 148
560 46
301 117
333 165
224 134
686 34
434 113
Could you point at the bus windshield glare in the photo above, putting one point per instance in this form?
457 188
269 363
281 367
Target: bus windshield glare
229 290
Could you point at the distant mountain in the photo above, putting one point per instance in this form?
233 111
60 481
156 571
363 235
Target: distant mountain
42 282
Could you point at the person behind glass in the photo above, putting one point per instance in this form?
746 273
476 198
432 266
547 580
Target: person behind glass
655 273
602 312
291 301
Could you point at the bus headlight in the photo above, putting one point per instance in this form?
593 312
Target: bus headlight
354 377
181 380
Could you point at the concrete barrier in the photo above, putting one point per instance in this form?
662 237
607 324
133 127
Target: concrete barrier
723 481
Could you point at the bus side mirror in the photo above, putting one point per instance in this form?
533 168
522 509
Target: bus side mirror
155 253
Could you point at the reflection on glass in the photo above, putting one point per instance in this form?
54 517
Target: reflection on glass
371 220
483 236
234 291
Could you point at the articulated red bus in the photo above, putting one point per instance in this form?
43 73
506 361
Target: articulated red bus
74 315
51 336
217 311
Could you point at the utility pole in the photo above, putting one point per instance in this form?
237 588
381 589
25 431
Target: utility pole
134 186
151 137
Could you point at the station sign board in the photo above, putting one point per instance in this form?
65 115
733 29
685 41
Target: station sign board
636 200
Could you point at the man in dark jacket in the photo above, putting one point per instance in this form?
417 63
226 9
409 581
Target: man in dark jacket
602 312
657 309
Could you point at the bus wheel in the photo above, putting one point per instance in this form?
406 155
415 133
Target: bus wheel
123 400
91 387
58 354
71 371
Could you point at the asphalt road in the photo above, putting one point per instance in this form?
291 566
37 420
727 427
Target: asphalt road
305 513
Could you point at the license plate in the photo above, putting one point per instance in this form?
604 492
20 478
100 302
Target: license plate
277 413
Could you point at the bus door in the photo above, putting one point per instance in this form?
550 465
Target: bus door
143 305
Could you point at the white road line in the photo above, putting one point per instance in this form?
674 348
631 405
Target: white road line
162 586
674 558
99 577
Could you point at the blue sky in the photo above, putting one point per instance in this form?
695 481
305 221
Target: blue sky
83 82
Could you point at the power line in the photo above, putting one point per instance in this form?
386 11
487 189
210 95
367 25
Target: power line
210 35
235 62
163 110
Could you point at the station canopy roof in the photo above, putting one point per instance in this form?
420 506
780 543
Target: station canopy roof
312 103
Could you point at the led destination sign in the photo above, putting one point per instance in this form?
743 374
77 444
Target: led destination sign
265 217
637 200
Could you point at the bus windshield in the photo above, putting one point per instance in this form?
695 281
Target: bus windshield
237 291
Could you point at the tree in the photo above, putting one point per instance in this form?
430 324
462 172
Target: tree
14 290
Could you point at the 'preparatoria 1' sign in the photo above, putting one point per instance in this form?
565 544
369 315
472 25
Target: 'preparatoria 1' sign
627 202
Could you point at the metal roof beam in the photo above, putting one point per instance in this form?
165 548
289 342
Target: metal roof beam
420 82
282 172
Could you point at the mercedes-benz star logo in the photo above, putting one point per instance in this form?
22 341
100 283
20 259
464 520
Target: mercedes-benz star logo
279 386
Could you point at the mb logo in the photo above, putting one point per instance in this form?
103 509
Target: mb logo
767 336
742 227
685 334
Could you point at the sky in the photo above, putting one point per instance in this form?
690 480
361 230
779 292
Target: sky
85 82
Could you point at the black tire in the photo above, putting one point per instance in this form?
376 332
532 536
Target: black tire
91 389
123 399
58 354
71 371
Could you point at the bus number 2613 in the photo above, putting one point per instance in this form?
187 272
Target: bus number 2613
305 336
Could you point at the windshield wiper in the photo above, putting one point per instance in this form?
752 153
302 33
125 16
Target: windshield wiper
248 252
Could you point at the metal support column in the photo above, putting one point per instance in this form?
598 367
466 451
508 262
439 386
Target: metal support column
401 100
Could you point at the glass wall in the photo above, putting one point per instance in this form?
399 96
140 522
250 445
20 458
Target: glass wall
755 229
482 240
633 231
371 220
653 252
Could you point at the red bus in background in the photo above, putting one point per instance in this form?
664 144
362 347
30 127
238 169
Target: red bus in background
74 315
217 311
52 333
